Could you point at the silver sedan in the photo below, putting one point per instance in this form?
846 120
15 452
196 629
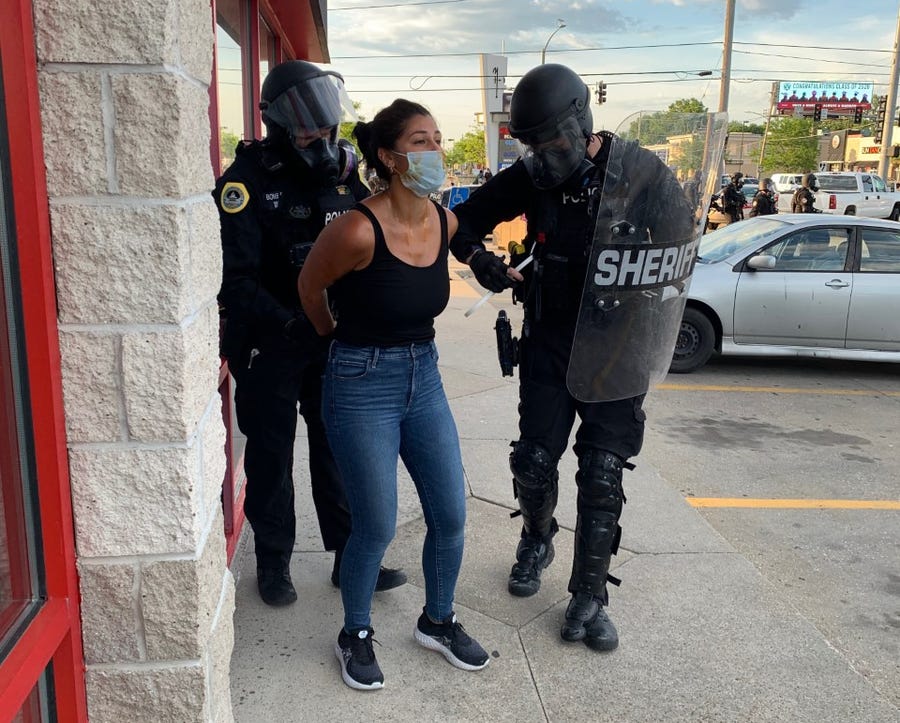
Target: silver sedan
794 285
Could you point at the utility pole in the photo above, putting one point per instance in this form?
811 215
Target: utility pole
773 99
726 56
725 81
887 133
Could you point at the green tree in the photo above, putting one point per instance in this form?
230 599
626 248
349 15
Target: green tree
741 127
680 118
792 145
345 130
227 144
468 149
687 105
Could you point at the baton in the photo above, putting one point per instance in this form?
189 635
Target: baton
489 294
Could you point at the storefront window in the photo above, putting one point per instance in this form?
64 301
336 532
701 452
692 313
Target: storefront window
20 576
267 54
36 708
231 88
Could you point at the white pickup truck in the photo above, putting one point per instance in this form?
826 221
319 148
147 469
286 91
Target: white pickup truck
856 194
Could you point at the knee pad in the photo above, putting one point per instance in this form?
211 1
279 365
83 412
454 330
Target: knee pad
599 479
532 466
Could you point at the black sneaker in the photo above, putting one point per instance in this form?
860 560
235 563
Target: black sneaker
532 555
451 640
388 577
359 669
275 586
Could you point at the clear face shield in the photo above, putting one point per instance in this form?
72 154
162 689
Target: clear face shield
311 112
552 157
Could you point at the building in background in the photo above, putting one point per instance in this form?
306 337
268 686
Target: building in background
115 528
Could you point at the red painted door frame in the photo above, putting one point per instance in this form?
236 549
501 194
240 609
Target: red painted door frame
54 634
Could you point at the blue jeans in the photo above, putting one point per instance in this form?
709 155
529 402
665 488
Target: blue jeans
381 404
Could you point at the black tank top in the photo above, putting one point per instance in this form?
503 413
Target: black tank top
390 302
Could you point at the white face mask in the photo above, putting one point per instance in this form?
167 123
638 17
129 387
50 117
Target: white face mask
425 174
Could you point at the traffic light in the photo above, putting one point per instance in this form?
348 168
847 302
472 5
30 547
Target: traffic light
857 115
601 93
817 112
879 121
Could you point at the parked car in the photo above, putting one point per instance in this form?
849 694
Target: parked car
857 194
785 184
794 285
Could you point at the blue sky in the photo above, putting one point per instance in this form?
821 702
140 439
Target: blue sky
439 43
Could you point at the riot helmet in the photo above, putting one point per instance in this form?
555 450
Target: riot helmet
765 184
306 104
737 179
550 114
810 181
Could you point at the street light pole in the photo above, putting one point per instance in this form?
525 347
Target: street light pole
560 25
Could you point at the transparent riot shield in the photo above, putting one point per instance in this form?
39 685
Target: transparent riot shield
650 214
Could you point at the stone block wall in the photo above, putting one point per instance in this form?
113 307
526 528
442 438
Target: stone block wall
124 92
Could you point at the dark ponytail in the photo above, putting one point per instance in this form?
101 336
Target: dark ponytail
383 132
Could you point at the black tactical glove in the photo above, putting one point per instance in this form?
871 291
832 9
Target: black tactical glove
490 271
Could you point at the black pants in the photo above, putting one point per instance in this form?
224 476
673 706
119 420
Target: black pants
268 391
546 415
547 410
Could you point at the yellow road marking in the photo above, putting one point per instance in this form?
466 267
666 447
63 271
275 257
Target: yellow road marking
784 504
774 390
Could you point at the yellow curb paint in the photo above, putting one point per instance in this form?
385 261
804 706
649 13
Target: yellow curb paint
775 390
784 504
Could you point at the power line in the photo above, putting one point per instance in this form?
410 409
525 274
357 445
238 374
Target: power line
396 5
607 47
814 47
818 60
519 52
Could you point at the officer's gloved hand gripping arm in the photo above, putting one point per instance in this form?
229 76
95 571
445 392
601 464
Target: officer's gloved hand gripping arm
498 200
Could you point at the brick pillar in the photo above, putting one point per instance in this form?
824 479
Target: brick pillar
124 96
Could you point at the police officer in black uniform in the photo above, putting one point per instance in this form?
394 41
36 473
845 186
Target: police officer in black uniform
804 199
732 199
763 203
273 201
555 184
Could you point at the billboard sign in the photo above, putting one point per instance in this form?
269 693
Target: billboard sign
833 96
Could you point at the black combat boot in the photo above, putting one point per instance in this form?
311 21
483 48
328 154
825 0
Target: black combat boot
388 577
602 634
587 620
532 555
275 586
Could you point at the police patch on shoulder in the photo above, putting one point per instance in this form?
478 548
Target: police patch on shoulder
234 197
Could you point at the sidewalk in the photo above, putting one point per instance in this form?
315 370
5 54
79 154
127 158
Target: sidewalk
704 637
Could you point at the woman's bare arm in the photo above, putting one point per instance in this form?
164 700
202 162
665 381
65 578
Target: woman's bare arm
345 244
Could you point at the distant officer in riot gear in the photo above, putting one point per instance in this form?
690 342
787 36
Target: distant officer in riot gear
732 199
763 203
555 184
804 199
273 201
